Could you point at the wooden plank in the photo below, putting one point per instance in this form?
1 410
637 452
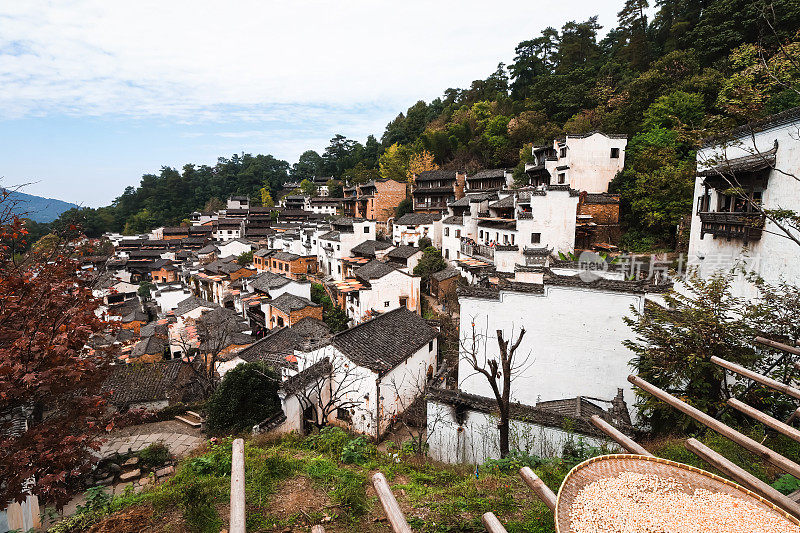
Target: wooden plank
492 524
537 485
619 437
778 345
741 476
755 376
390 505
742 440
765 419
238 519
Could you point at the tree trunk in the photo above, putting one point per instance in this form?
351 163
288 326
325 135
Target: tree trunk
503 427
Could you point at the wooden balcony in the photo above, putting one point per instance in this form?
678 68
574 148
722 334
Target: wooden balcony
744 226
478 250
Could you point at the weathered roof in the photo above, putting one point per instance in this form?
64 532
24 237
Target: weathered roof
601 198
403 252
142 382
288 302
430 175
446 273
191 303
276 349
135 316
413 219
369 247
263 252
454 220
300 380
504 203
384 342
267 280
312 329
208 249
153 345
285 256
373 270
487 174
330 236
749 163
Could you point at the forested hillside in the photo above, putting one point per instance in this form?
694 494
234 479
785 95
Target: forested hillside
698 67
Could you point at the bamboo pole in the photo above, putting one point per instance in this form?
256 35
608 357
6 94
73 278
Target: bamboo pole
389 503
537 485
492 524
742 440
619 437
755 376
795 414
237 524
778 345
741 476
765 419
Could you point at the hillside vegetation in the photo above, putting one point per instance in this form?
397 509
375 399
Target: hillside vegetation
698 67
293 483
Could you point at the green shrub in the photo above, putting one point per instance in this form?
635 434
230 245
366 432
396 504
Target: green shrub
358 451
247 395
787 484
155 455
330 440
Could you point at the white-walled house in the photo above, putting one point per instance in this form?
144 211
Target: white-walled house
333 245
383 363
763 159
168 295
586 162
235 247
572 349
411 227
380 288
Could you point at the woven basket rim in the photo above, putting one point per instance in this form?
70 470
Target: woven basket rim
645 458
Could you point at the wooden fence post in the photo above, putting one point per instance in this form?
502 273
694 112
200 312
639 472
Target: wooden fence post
238 518
537 485
390 505
492 524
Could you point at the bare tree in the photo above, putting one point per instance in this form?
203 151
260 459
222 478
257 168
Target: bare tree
499 371
329 384
412 417
203 340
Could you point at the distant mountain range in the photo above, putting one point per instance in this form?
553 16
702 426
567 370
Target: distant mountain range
37 208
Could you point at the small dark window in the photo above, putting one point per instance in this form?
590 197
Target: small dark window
458 234
563 152
446 253
430 346
446 232
343 415
536 238
366 229
562 177
386 304
615 153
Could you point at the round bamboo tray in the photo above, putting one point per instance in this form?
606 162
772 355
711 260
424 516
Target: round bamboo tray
690 477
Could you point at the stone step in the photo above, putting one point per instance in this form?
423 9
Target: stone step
196 415
189 421
128 476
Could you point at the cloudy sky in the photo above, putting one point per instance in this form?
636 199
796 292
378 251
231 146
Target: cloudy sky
94 93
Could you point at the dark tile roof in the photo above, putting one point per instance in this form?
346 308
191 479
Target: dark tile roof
287 303
312 330
300 380
403 252
142 382
504 203
208 249
487 174
430 175
285 256
373 270
601 198
454 220
412 219
533 414
444 274
748 163
330 236
384 342
153 345
276 349
773 121
263 252
267 280
135 316
368 248
191 303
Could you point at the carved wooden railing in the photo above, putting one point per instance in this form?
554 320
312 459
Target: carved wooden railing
745 226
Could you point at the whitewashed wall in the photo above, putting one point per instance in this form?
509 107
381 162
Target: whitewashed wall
774 257
478 438
573 335
591 167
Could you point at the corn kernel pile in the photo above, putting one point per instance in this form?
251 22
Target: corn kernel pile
646 503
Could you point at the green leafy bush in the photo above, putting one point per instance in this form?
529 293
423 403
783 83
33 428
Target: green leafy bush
155 455
787 484
247 395
358 451
330 440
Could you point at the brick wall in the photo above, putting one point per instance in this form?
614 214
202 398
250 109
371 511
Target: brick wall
390 194
601 213
315 312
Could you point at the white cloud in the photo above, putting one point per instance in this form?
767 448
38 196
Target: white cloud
268 60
